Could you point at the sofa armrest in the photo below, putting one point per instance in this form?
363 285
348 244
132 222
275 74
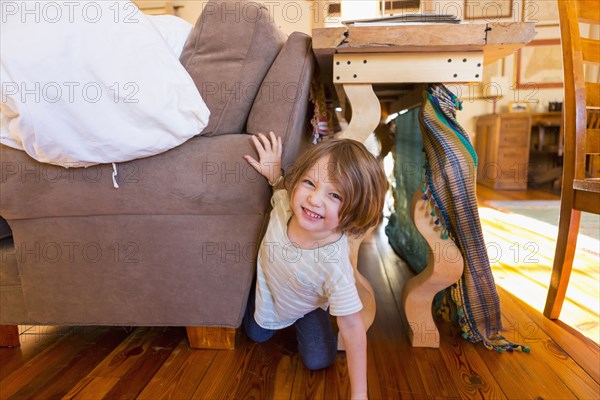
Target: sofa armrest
282 101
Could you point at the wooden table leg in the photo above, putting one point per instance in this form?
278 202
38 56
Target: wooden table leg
366 116
444 268
365 290
366 111
9 336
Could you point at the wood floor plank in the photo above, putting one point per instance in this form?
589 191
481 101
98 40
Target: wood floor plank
559 366
469 374
180 375
78 367
373 373
485 193
31 346
95 388
147 364
261 373
469 371
437 379
44 367
284 377
522 256
225 372
121 361
337 381
376 370
523 375
582 350
308 384
522 252
438 367
399 378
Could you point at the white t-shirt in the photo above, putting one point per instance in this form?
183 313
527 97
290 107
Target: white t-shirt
291 281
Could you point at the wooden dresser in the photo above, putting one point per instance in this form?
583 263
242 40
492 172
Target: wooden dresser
502 146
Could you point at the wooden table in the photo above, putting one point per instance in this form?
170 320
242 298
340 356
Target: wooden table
356 57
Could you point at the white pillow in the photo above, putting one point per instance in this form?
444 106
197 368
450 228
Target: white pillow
92 82
173 29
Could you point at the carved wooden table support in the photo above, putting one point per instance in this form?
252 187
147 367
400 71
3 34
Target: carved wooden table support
365 290
444 268
366 111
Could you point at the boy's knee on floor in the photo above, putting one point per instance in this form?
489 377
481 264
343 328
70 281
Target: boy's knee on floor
319 361
256 333
258 338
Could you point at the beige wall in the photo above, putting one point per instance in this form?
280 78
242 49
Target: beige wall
191 10
303 15
290 16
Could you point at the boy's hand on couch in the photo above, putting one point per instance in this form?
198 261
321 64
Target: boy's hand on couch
269 154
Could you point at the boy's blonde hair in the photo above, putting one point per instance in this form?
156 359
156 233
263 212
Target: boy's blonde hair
357 174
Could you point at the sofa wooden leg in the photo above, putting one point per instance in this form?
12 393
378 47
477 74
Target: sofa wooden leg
209 337
9 336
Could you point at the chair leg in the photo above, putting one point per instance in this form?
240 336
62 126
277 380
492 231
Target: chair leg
568 228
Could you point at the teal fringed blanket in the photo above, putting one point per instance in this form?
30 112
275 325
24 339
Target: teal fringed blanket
403 235
450 167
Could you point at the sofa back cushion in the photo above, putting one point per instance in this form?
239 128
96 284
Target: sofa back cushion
228 55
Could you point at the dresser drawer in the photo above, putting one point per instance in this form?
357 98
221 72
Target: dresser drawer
513 164
515 124
513 139
514 132
511 155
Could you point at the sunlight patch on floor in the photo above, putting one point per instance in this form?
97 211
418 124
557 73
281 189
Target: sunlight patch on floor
521 251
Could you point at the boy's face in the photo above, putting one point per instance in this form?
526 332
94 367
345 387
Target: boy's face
316 203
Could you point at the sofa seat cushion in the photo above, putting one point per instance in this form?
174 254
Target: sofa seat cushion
207 176
242 39
148 270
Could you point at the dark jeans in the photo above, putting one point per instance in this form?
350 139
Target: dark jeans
317 343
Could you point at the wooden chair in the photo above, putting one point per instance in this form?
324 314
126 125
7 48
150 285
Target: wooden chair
580 188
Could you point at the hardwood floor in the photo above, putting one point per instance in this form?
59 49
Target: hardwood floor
521 252
153 363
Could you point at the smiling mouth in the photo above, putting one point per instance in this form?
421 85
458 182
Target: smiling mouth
311 214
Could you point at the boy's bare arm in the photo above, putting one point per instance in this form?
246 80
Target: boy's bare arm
353 333
269 157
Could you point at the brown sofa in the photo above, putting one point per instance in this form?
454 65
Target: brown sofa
176 244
